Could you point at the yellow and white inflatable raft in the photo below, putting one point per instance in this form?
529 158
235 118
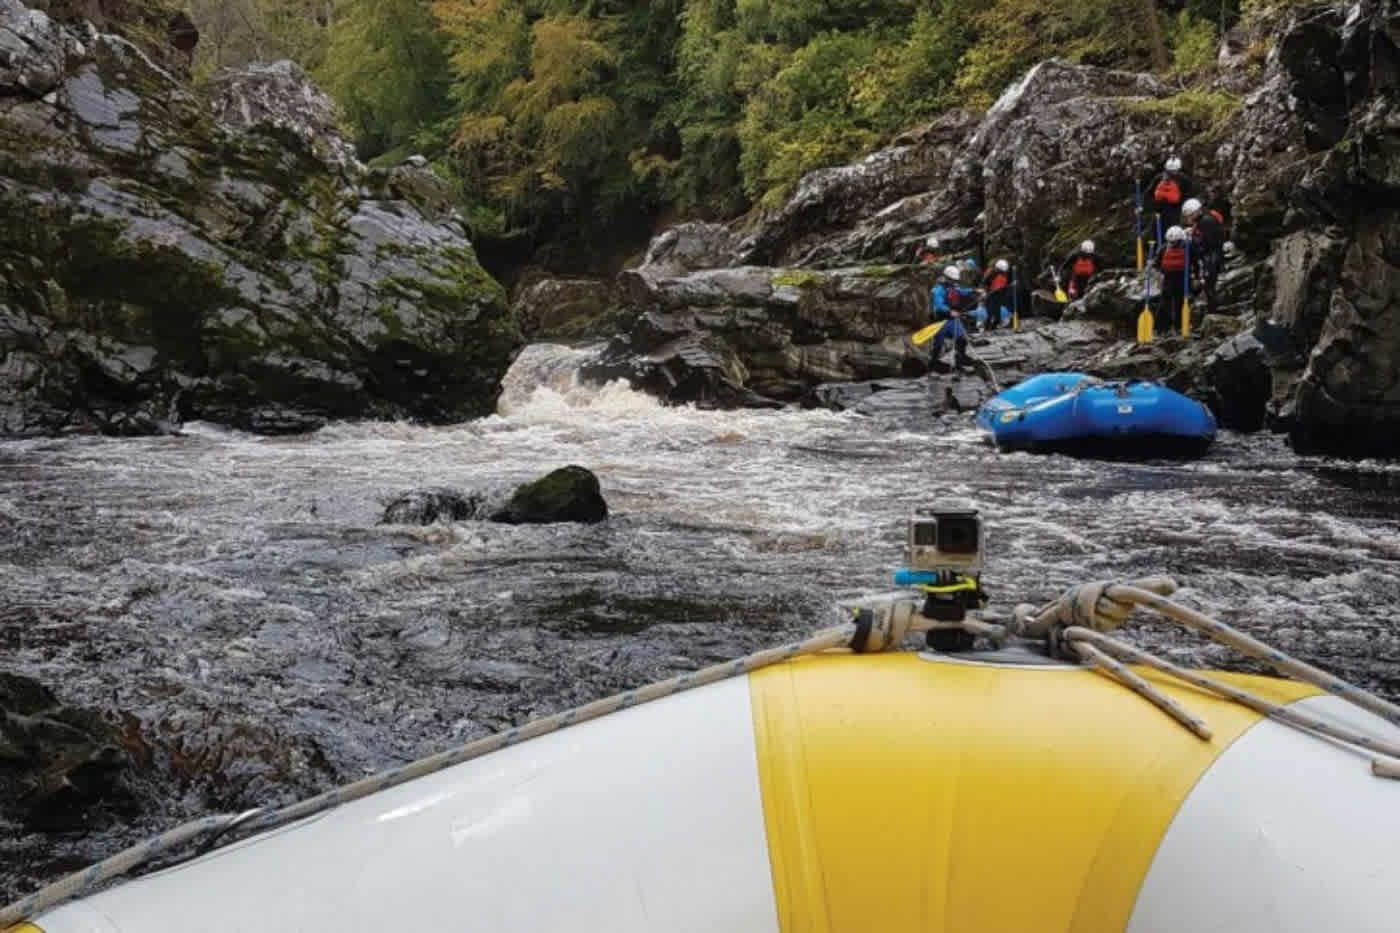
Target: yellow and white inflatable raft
853 793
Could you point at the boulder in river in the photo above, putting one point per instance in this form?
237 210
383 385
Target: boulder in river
568 494
427 506
60 766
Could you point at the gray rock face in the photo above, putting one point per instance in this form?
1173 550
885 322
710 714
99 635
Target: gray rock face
691 246
1323 148
219 260
1054 160
569 309
1309 166
833 200
756 335
280 96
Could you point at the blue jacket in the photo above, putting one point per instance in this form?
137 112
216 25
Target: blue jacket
939 305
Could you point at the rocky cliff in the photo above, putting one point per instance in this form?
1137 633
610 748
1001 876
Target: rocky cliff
171 254
1295 133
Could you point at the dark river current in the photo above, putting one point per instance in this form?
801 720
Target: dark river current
236 599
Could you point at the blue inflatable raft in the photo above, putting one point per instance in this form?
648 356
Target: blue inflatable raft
1079 414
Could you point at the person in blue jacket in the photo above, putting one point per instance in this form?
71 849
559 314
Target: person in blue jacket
951 302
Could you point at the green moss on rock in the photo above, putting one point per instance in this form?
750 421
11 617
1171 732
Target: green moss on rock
570 494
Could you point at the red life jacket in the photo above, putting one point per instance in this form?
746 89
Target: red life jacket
997 282
1168 191
1174 259
953 297
1084 267
1219 217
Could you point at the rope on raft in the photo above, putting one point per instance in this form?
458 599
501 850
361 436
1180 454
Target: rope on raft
1076 623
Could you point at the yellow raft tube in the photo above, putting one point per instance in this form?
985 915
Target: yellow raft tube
899 793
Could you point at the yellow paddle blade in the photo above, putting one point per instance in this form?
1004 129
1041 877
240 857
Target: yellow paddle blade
1060 295
1144 326
1186 317
1015 322
928 333
1139 254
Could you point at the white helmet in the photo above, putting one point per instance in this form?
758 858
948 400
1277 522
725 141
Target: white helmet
1175 234
1191 208
1087 246
931 242
1003 265
1173 164
952 272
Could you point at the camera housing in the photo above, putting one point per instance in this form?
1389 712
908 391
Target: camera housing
945 540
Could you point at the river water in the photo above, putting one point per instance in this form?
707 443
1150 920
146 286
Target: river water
265 637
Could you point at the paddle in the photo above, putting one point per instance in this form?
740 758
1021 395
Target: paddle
1186 296
923 336
1060 295
1145 322
1138 196
1015 302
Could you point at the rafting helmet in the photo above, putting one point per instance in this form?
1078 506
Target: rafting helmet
1175 234
1173 164
1087 246
1191 208
951 272
931 242
1003 265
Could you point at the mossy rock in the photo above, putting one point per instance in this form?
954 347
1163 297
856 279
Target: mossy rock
569 494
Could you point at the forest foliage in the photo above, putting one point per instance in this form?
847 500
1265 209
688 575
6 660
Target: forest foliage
584 120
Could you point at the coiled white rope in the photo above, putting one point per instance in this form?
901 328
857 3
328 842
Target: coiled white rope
1084 613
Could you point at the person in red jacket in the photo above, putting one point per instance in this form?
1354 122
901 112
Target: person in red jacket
927 252
1208 236
1081 266
1169 191
997 284
1171 262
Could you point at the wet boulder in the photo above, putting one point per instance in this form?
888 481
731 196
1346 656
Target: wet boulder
906 400
1240 382
432 505
569 494
1115 299
1040 346
61 768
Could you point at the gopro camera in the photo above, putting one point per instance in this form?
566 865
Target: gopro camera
945 540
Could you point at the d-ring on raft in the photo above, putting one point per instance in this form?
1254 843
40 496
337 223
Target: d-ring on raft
840 785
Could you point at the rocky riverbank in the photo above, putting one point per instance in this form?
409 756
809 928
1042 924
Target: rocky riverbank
1297 133
172 253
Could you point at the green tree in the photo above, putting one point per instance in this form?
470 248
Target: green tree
558 104
386 65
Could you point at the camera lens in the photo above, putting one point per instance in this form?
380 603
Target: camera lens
958 535
926 534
